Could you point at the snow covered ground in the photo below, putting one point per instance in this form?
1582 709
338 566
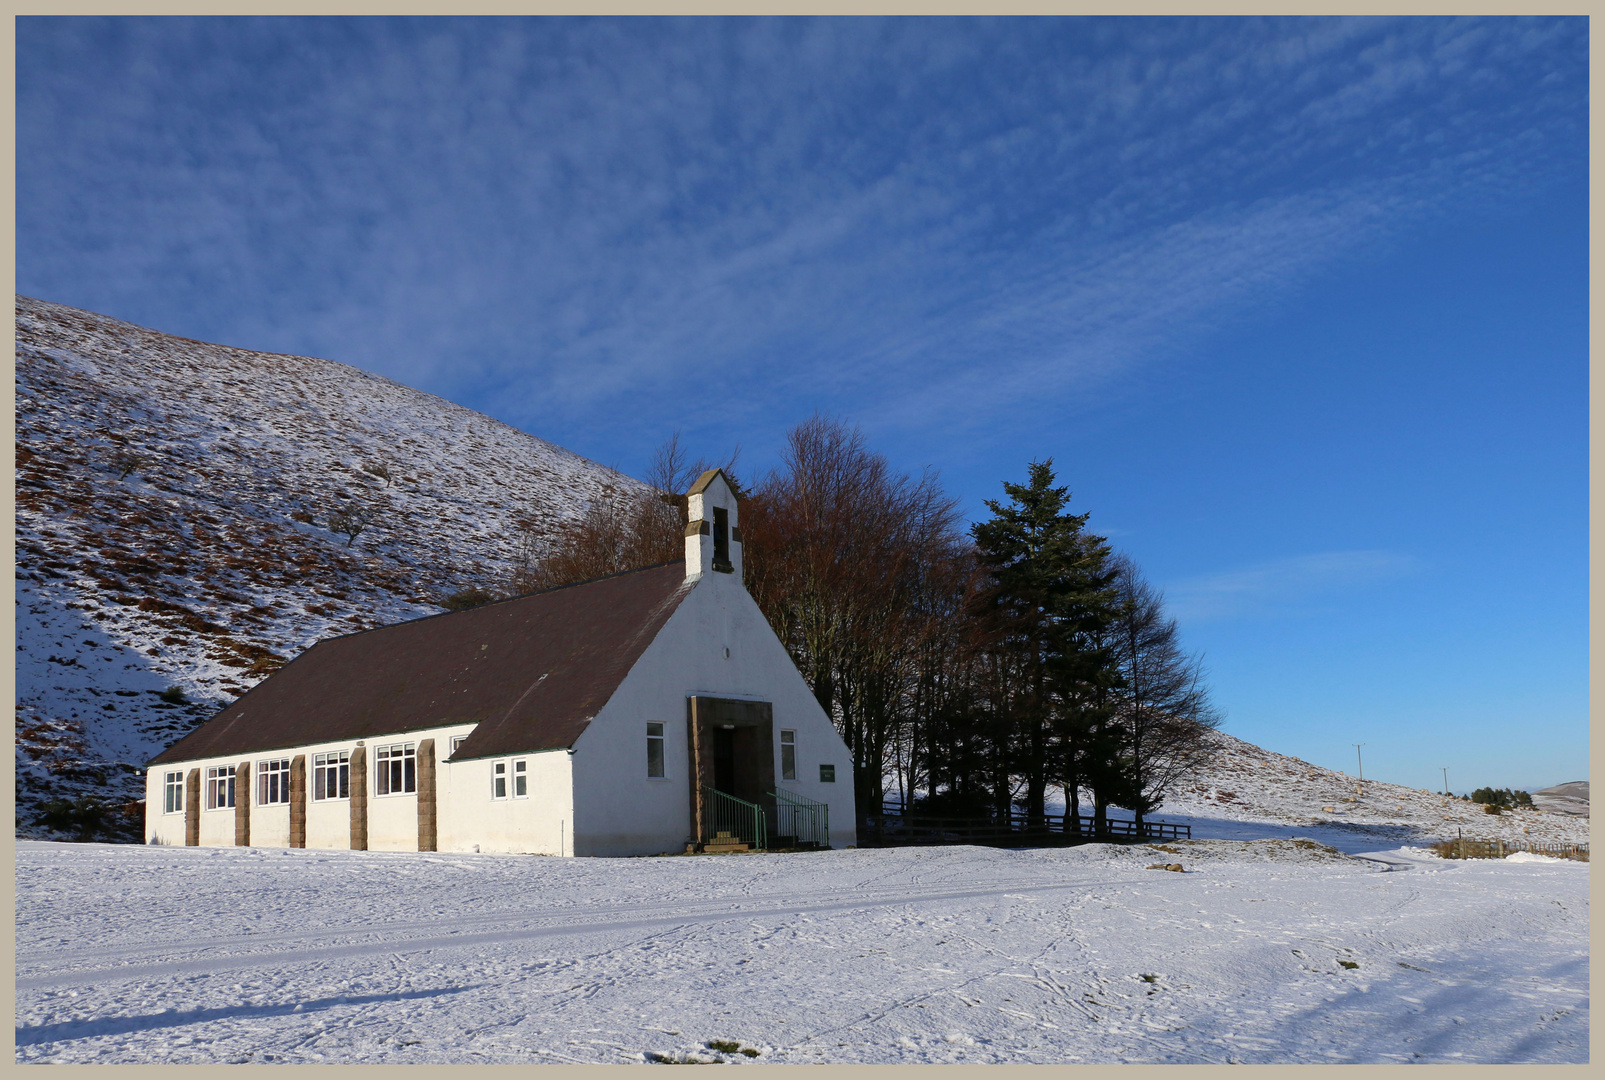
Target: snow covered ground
1260 951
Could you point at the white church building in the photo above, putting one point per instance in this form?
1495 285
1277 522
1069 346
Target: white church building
636 714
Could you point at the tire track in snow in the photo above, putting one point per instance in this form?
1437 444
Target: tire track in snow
716 905
511 935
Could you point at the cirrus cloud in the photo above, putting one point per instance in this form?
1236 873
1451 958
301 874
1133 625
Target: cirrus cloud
1278 586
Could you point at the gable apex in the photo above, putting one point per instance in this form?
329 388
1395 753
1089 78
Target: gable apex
707 478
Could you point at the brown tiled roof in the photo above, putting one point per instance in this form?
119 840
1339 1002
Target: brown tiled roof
531 672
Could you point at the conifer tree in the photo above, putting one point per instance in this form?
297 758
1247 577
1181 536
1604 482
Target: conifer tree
1047 611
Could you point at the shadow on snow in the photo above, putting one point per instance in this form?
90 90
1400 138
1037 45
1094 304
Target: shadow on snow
126 1025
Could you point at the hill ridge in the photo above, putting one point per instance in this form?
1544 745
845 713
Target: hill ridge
175 504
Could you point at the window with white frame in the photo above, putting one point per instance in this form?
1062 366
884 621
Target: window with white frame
273 782
220 787
173 793
456 741
654 751
498 780
395 769
788 755
331 775
520 779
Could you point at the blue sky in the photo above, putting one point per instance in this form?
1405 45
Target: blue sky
1298 307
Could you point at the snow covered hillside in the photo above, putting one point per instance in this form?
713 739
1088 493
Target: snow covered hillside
1568 798
174 503
1259 951
1251 792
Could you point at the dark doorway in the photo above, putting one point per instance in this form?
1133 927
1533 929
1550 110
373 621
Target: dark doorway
732 751
724 760
738 762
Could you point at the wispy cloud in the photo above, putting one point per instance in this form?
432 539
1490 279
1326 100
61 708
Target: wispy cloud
1284 586
916 221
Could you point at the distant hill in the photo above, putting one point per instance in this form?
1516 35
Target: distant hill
1568 798
1247 783
174 510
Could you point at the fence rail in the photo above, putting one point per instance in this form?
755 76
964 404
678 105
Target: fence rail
1017 830
1498 849
800 820
725 816
1086 829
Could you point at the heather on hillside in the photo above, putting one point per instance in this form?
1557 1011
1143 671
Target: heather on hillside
190 516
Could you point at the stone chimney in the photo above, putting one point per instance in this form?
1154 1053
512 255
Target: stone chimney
712 538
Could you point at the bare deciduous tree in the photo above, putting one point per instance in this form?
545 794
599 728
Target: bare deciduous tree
615 535
1163 711
837 545
125 461
353 519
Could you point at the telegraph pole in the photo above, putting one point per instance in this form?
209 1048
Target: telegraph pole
1358 760
1445 779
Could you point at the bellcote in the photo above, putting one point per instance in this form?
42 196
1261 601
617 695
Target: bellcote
712 536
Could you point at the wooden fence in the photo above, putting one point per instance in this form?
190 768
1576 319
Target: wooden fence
901 830
1498 849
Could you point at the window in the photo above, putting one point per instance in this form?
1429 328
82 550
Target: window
654 751
721 538
395 769
272 782
827 774
220 787
456 741
173 793
331 776
788 755
520 779
498 780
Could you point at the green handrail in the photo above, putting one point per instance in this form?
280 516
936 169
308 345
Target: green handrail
802 818
725 814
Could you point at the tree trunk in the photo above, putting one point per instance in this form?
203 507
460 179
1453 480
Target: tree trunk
825 689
